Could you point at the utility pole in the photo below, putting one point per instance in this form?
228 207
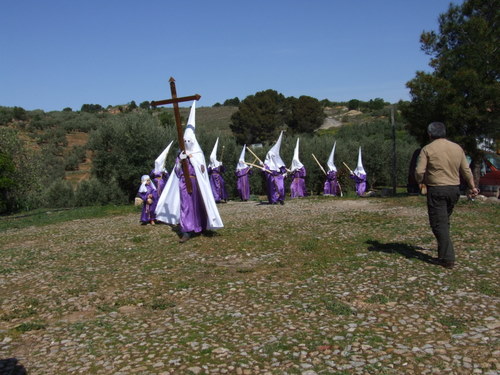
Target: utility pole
394 174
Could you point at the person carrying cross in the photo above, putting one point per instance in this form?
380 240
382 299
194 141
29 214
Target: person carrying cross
194 211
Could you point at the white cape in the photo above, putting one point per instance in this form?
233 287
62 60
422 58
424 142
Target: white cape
168 209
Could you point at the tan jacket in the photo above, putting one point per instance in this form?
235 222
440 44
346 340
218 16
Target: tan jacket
441 163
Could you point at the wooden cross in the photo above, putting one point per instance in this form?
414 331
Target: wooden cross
175 101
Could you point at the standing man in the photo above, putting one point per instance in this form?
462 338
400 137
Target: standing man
439 167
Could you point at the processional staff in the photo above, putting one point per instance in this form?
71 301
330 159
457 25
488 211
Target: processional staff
323 169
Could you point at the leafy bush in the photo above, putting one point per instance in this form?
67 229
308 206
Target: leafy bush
125 148
74 158
94 192
59 194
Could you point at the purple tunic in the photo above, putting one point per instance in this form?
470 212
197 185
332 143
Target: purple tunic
193 217
275 185
217 183
160 180
148 210
360 183
160 184
332 186
298 185
243 183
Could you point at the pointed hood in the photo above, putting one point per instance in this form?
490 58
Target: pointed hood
296 164
330 163
160 161
241 161
214 163
273 159
190 142
359 169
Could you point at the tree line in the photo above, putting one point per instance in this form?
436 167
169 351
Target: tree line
124 147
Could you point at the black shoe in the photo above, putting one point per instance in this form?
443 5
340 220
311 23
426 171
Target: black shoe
448 264
282 203
185 237
443 263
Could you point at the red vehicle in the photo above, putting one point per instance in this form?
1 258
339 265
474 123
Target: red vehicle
489 182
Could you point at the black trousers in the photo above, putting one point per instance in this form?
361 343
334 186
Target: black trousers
440 203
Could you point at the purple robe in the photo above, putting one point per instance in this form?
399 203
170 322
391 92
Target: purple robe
360 183
148 210
243 183
217 183
160 184
275 185
160 180
193 217
331 186
298 185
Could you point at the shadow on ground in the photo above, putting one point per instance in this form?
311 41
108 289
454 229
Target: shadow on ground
408 251
11 366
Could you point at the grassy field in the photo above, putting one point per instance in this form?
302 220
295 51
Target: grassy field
319 285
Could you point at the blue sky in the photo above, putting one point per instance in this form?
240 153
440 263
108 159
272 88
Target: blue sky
57 54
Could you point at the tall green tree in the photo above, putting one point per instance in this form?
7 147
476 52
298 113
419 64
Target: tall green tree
23 185
463 90
260 117
306 114
7 183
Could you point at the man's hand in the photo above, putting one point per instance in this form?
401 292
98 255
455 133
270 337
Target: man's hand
183 155
473 193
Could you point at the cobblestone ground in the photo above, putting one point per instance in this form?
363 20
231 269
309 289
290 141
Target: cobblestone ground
317 286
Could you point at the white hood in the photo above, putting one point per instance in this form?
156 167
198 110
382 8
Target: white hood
143 188
214 163
273 159
359 169
296 164
330 163
241 161
160 160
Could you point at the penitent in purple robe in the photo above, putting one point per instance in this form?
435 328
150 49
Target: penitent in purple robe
360 181
217 183
275 185
148 210
298 185
243 183
331 186
193 216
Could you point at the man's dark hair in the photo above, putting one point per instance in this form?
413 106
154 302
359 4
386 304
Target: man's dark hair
436 130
